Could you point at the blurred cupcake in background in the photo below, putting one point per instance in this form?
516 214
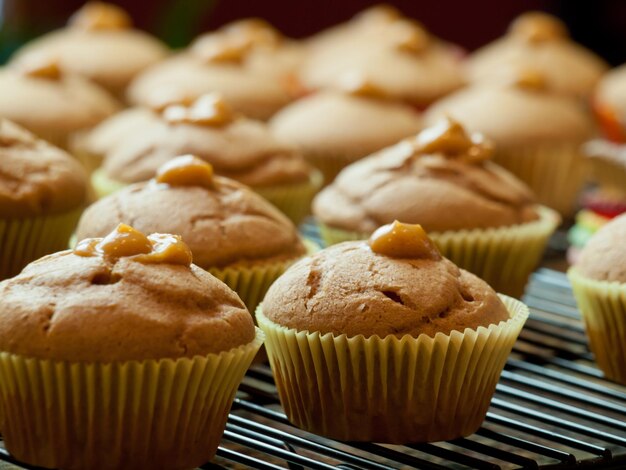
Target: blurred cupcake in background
36 94
540 41
609 105
400 56
480 216
237 147
344 123
538 133
100 44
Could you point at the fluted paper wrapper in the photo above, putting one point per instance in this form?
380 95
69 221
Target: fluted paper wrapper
331 164
607 172
555 173
165 414
504 257
26 240
293 200
392 390
603 308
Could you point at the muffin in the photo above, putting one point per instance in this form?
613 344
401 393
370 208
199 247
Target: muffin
237 147
480 216
609 105
100 44
400 56
232 232
338 126
35 94
387 341
540 41
538 134
125 354
220 62
599 282
42 193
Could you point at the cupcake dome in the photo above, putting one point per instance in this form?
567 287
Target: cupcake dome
609 104
38 96
385 331
604 257
42 191
540 41
121 317
537 134
338 126
99 44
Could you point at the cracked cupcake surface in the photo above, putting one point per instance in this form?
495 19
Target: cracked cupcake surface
85 308
349 289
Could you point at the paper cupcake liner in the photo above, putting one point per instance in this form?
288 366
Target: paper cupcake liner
555 173
392 390
331 164
608 173
293 200
26 240
504 257
603 308
165 414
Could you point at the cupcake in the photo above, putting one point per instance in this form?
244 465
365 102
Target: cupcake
599 282
609 104
387 341
540 41
100 44
538 134
124 353
232 232
237 147
480 216
222 62
338 126
35 94
401 57
42 193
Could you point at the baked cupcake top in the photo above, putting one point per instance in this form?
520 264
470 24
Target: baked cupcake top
35 177
123 297
514 109
539 40
604 257
222 221
222 63
402 58
100 44
609 103
346 119
395 284
442 179
35 94
237 147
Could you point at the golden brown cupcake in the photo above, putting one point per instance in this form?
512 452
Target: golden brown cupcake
237 147
537 133
42 193
599 282
481 216
100 44
37 95
233 232
387 341
125 354
339 126
609 104
401 57
540 41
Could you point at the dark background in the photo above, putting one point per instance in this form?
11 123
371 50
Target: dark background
598 24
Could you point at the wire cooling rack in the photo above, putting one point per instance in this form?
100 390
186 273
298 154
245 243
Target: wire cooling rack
552 410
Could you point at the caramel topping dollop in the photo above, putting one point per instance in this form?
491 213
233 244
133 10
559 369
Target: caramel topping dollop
208 110
126 242
409 36
356 84
186 170
399 240
538 27
100 16
255 30
40 66
222 48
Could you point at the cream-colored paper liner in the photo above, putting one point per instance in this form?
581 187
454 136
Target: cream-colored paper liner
504 257
165 414
331 164
553 172
603 308
393 390
25 240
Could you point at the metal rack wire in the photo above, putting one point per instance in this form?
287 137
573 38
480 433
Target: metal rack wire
552 410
